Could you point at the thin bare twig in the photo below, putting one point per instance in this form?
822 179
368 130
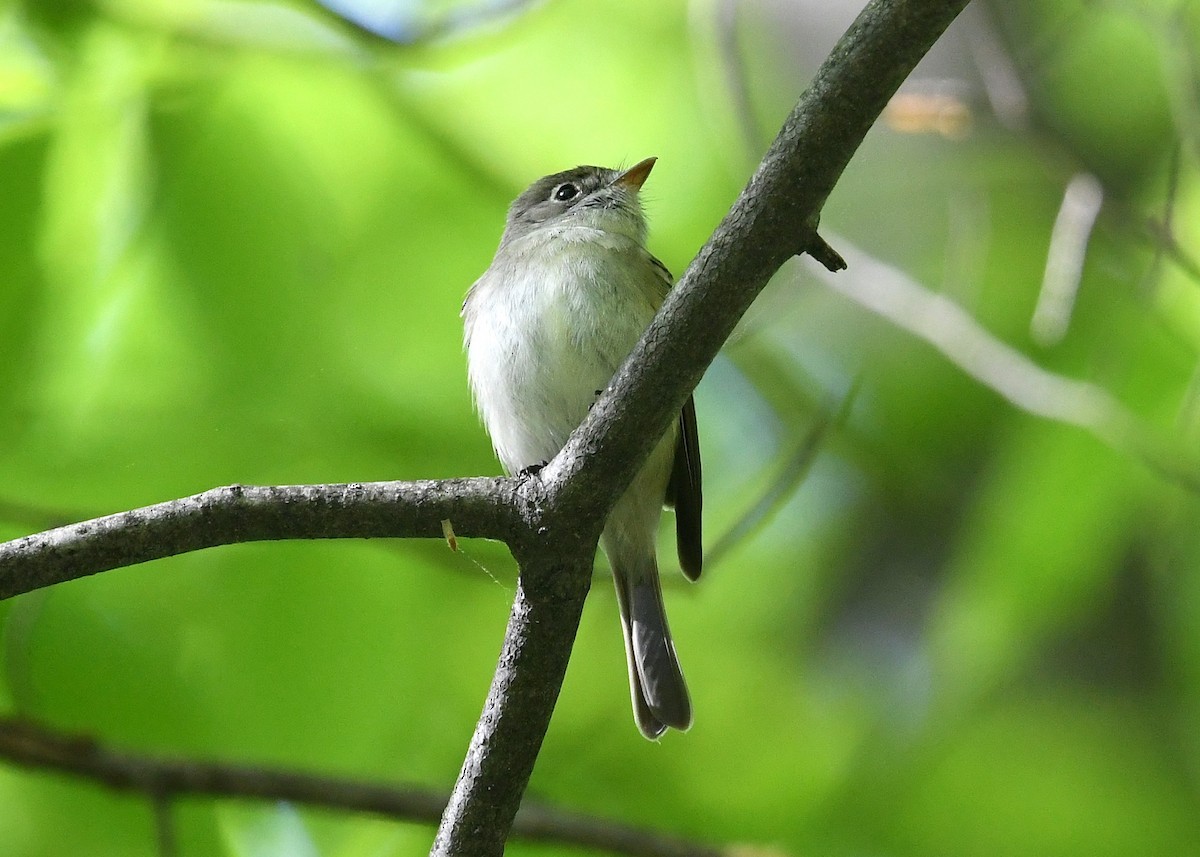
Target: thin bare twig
1149 281
1161 231
790 476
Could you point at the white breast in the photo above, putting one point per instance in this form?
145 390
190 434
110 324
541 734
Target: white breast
546 327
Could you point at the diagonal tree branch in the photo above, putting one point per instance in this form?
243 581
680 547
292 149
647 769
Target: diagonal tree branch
774 218
508 737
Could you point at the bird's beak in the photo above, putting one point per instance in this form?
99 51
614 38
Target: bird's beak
636 175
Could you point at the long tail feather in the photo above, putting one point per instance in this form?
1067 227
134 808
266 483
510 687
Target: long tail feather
656 684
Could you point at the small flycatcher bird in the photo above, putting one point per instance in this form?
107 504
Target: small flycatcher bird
567 296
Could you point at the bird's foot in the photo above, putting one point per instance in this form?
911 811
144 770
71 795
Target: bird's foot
532 470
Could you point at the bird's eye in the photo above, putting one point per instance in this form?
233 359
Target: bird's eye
564 192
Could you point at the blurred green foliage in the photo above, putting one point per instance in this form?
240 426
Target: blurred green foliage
233 242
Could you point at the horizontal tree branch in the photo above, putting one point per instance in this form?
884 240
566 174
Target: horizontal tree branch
35 746
484 507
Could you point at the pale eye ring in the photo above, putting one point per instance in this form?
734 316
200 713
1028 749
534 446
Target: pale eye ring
565 191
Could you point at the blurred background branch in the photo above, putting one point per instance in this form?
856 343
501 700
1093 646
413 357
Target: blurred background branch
164 781
946 326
